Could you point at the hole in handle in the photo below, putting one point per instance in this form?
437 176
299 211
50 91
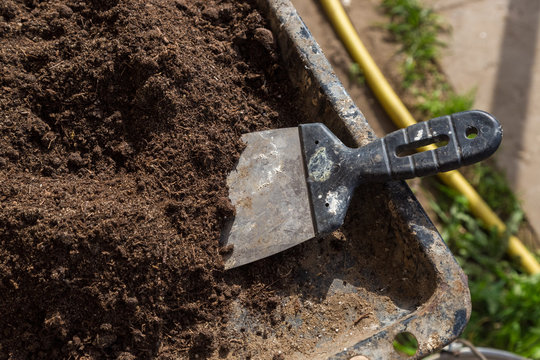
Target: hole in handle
471 132
418 146
405 343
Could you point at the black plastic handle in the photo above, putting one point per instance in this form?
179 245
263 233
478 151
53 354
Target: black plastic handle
334 170
463 138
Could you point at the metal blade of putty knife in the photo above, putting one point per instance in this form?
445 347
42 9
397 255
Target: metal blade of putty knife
293 184
269 192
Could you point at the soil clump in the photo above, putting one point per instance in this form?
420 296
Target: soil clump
119 122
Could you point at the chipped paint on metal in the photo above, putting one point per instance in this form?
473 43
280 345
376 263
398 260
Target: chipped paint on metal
335 200
320 166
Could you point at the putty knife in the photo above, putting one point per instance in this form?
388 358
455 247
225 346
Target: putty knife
293 184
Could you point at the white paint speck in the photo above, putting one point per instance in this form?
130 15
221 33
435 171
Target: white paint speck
419 135
333 201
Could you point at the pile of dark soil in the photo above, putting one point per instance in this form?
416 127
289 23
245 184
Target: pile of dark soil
119 122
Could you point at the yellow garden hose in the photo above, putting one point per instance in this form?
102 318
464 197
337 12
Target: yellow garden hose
403 118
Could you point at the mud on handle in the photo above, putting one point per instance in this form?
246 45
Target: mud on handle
334 170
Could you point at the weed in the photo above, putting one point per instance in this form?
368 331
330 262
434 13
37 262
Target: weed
505 311
356 74
405 343
443 101
416 28
495 190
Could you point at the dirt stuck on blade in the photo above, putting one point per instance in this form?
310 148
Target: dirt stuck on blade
119 122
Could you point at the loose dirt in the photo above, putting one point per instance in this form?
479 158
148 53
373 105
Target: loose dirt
119 122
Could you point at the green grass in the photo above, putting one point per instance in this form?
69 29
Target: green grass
405 343
416 28
496 192
505 301
443 102
356 74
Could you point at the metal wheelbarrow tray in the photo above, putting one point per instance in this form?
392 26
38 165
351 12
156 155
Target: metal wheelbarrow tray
386 272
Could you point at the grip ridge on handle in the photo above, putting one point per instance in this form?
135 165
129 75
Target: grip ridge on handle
386 158
334 170
452 149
